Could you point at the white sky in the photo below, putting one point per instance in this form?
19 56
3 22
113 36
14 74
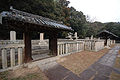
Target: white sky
99 10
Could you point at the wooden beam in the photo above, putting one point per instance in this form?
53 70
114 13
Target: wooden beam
27 48
53 43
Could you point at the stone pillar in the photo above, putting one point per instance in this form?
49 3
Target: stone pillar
75 35
41 36
42 42
69 36
91 37
99 38
108 42
114 41
12 35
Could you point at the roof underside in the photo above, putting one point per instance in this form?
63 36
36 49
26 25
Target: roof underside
107 34
19 20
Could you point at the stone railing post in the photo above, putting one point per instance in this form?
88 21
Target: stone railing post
4 58
63 48
77 46
12 57
58 50
72 47
20 57
82 46
66 47
95 46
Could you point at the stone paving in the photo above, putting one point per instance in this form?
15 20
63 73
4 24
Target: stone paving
100 70
60 73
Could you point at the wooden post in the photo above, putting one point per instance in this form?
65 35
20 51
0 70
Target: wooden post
27 48
4 58
53 43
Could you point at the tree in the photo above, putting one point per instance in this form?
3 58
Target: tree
113 27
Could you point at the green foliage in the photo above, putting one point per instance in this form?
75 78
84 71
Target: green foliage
93 28
113 27
77 22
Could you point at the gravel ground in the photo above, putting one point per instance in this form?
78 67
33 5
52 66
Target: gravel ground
23 74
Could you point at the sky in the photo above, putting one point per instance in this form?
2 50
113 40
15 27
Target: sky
98 10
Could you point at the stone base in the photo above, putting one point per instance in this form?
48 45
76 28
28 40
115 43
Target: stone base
107 47
42 43
118 56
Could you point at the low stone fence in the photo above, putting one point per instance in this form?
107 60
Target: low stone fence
69 47
11 57
110 42
93 45
98 45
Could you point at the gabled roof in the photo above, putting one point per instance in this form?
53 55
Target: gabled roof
107 34
20 16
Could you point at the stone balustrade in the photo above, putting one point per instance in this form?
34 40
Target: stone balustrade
98 45
70 47
11 57
110 42
94 45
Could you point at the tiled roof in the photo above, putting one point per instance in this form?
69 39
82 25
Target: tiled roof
17 15
107 33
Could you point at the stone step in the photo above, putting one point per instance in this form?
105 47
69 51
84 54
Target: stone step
40 56
43 62
40 51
